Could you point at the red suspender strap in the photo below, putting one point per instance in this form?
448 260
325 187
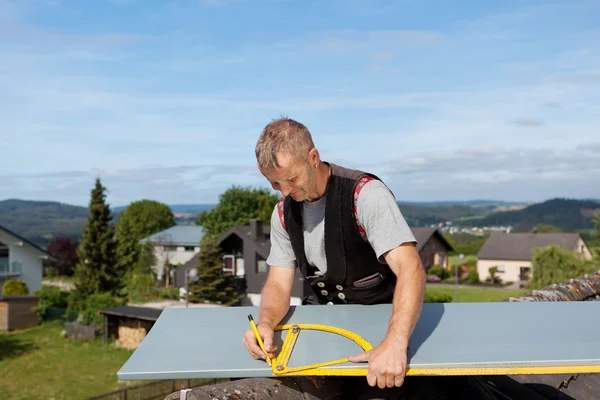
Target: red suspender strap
359 185
280 212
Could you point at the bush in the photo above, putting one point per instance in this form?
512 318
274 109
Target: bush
51 300
93 304
438 297
51 272
438 271
470 260
15 287
473 277
171 293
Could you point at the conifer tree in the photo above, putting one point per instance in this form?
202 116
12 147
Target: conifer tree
213 285
96 270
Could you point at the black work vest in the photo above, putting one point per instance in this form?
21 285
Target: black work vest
354 275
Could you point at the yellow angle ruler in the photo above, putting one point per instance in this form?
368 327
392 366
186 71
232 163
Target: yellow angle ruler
280 365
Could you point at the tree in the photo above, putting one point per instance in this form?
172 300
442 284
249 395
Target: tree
213 285
96 270
237 206
140 219
65 249
545 228
554 265
141 278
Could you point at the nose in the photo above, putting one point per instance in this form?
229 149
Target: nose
285 189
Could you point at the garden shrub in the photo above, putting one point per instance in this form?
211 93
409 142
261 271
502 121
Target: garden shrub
171 293
52 301
93 304
473 277
438 297
15 287
438 271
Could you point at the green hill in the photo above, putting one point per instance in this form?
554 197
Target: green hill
40 221
566 214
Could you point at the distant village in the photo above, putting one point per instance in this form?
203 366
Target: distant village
450 228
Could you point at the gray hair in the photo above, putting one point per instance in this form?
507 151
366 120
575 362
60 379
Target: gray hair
283 135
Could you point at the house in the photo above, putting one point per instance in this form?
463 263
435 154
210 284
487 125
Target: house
432 246
512 253
246 249
21 259
174 246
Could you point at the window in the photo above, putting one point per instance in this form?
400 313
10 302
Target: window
189 248
261 264
228 264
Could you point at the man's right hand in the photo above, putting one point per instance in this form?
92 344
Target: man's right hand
252 344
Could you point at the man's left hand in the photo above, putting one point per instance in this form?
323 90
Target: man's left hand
387 364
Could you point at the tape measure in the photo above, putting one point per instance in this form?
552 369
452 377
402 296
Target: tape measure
280 364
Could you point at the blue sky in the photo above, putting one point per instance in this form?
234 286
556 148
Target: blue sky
444 100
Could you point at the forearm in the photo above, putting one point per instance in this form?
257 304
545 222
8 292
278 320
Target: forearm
274 304
407 303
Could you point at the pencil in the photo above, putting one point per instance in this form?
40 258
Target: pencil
258 337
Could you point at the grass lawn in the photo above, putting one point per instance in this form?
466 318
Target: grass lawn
40 363
475 294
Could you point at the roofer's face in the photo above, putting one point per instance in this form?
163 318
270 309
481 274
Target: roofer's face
292 178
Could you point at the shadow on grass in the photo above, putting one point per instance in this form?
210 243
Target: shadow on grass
13 347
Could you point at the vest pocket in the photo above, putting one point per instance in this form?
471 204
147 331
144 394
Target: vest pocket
368 282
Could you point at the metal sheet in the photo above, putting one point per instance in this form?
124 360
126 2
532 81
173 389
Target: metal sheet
207 342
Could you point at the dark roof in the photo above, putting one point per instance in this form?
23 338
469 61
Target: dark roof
422 235
35 246
519 246
146 313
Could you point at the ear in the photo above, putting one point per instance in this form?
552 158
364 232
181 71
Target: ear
314 157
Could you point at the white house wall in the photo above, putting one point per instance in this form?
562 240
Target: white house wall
583 249
512 269
30 259
179 256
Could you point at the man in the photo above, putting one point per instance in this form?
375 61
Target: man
366 255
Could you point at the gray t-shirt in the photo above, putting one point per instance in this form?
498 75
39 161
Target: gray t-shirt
378 213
